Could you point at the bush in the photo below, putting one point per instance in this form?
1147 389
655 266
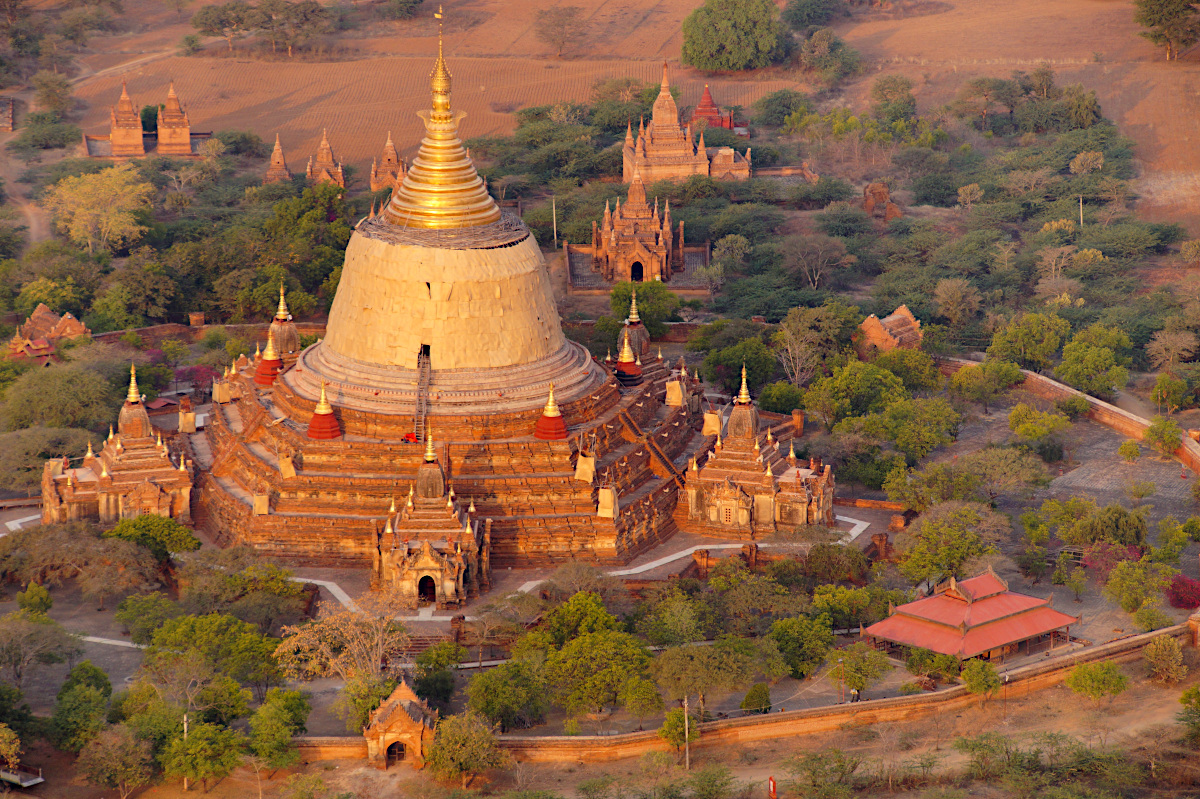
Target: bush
826 190
1164 659
1184 592
844 222
803 14
45 131
1129 451
1150 617
781 397
1073 406
758 699
160 535
399 9
774 108
190 44
35 599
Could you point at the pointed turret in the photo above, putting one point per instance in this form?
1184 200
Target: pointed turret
628 372
282 312
324 424
278 171
133 396
633 309
133 421
441 190
325 167
743 397
551 427
629 133
269 364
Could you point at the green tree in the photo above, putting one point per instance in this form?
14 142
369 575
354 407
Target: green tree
1004 471
463 746
1132 583
86 674
949 535
803 14
781 397
226 20
733 35
980 677
1129 451
588 672
1093 370
116 759
63 396
78 717
915 426
100 210
1189 717
209 752
728 664
858 666
808 337
855 389
359 697
641 699
52 92
1097 681
1164 659
1028 422
583 613
1163 435
724 366
272 727
1173 25
560 26
227 644
804 642
159 534
35 599
757 699
915 368
142 614
28 639
1030 340
656 304
675 732
892 98
933 484
512 695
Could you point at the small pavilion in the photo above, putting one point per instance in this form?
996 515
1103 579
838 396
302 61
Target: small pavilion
977 617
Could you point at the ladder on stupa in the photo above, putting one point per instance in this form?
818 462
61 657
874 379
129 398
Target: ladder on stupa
422 396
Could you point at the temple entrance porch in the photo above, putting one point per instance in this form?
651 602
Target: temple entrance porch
426 591
636 271
395 753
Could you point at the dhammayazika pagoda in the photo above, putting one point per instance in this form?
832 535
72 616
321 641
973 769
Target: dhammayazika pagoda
445 426
665 151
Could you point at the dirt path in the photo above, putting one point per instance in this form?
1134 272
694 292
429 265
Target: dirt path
37 221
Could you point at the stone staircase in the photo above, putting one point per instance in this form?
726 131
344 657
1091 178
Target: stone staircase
422 396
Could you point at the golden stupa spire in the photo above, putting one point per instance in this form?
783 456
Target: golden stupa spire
133 395
90 454
282 311
743 396
441 190
551 408
323 406
626 355
269 354
633 312
430 455
182 468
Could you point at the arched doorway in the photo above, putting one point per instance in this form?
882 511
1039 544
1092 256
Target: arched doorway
636 271
426 589
395 753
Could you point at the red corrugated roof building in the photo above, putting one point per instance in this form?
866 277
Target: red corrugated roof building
977 617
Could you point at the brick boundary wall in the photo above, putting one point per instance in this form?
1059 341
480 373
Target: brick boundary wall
156 334
603 748
1099 411
878 504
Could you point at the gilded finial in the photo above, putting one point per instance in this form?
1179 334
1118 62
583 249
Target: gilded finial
471 507
743 396
626 350
90 454
770 437
551 408
608 356
439 78
282 312
633 311
430 455
257 351
269 354
133 395
660 353
110 433
392 507
792 450
323 407
103 469
182 468
387 527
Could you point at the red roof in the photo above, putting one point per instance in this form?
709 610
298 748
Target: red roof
969 618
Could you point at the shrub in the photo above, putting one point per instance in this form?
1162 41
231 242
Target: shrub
1150 617
1184 592
1097 681
1129 451
758 699
980 677
35 599
1164 659
1073 406
781 397
1163 434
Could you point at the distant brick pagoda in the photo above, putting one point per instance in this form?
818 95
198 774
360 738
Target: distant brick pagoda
388 172
277 171
708 113
133 474
126 138
664 151
325 168
634 244
38 338
898 330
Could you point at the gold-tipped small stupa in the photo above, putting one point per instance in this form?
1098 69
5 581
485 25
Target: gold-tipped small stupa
626 355
441 189
323 407
269 354
90 454
430 455
282 312
133 395
633 312
743 396
551 408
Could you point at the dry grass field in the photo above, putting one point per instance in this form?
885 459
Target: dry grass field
499 66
